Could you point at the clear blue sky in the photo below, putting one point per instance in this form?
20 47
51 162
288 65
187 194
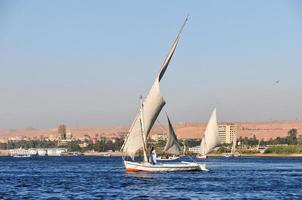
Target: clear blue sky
85 63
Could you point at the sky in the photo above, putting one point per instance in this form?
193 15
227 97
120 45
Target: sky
85 63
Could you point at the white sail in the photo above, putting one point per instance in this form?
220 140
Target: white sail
211 137
152 106
234 144
172 145
203 147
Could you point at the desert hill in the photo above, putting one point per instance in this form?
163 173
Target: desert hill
263 130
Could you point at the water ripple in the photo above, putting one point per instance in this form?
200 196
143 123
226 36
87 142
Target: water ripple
105 178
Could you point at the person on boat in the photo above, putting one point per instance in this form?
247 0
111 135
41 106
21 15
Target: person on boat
153 156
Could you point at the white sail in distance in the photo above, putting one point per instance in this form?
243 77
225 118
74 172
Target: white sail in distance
172 145
234 144
211 137
203 147
152 106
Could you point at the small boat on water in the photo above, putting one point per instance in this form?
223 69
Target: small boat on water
21 155
230 155
137 137
107 155
210 139
199 156
233 150
73 153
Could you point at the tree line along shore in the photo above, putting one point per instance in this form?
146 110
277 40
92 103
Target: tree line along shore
291 145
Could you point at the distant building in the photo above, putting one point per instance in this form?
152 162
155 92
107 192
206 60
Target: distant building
52 138
159 136
19 138
195 149
85 138
68 136
83 145
95 138
42 137
62 131
56 151
227 132
64 142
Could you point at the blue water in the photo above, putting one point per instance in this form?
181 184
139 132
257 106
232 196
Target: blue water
105 178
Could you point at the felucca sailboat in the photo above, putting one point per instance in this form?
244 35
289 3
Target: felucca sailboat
233 150
210 139
144 120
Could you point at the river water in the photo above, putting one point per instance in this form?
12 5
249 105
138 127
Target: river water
104 178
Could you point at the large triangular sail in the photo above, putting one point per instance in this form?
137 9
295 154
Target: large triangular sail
172 145
151 106
211 137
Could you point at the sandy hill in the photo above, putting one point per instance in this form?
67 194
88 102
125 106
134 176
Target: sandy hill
263 130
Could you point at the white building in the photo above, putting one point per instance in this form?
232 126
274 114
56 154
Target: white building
227 132
55 151
195 149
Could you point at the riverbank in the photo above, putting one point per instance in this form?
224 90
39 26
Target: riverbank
262 155
115 154
90 153
119 154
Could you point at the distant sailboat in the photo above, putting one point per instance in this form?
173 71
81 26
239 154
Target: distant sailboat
202 153
233 150
172 146
210 139
184 150
138 134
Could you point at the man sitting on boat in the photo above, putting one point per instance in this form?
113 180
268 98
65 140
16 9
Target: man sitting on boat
153 156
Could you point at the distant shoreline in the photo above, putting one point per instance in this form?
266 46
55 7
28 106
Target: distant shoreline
103 154
262 155
120 154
